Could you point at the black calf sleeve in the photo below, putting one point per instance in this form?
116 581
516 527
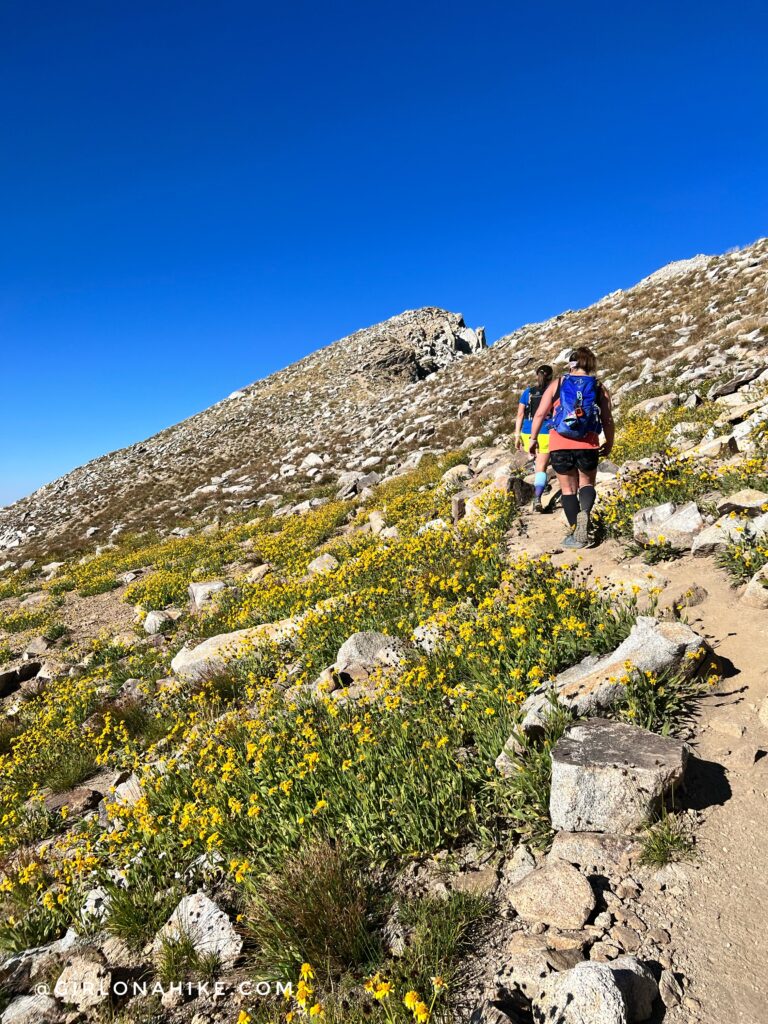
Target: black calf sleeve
570 507
587 497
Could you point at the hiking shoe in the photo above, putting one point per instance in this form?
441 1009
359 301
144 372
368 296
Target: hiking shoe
581 533
571 541
536 505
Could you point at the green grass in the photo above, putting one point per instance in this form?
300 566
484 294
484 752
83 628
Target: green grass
179 961
525 794
667 840
317 907
138 909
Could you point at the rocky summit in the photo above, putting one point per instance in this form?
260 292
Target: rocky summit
420 382
307 713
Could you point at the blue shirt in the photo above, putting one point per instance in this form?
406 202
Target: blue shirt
546 426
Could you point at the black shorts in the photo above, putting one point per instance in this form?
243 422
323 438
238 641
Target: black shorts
566 460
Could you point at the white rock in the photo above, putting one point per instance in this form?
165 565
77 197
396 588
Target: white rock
157 622
594 685
201 594
322 564
745 502
587 994
678 526
214 655
371 650
756 592
206 925
32 1009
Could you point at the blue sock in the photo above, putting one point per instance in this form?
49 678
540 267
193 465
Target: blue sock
539 483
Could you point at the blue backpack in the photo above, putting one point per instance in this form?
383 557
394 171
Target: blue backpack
578 412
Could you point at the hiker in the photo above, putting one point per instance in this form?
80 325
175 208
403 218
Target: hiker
526 410
580 408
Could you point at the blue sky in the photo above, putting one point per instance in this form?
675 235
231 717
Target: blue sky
193 195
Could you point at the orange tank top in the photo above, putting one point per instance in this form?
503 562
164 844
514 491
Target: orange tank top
559 443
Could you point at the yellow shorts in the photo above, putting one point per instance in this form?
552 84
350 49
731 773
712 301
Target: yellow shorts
543 440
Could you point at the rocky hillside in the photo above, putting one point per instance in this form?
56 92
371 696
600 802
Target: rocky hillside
351 737
419 382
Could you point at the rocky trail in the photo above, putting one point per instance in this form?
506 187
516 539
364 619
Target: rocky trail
717 905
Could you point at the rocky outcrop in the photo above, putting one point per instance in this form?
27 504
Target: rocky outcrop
595 685
677 525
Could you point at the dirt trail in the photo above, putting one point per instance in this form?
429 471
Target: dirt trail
718 907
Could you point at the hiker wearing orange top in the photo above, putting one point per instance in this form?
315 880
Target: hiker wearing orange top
580 408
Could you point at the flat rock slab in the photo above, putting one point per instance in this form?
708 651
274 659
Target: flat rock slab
611 777
747 502
555 894
596 853
594 685
370 650
213 656
678 525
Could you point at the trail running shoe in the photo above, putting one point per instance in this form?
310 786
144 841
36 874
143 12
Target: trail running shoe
581 533
536 505
571 541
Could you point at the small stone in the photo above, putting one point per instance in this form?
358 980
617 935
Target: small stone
323 564
516 867
604 951
597 853
482 882
689 598
629 889
670 989
625 938
555 894
157 622
201 594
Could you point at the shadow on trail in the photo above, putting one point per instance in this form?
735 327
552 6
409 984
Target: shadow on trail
706 784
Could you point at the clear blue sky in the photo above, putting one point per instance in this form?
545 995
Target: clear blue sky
194 194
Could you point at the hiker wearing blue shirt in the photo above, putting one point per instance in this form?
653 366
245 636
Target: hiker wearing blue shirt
526 410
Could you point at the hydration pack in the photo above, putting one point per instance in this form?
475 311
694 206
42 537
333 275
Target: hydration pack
535 395
578 411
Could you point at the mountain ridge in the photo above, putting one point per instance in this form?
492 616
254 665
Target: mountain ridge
392 390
